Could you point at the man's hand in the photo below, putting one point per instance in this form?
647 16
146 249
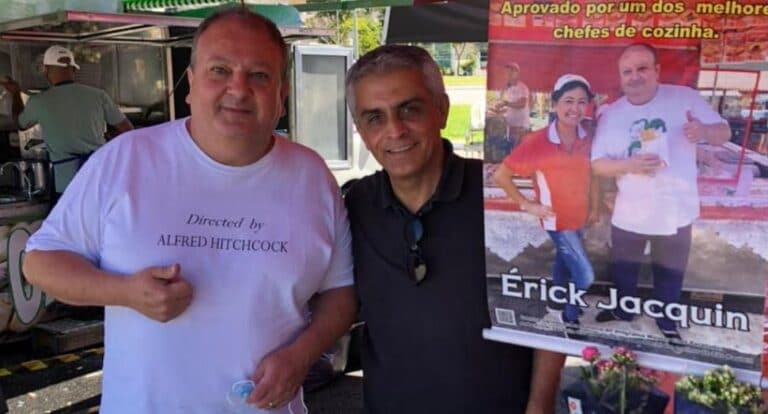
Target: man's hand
536 209
545 380
693 129
10 85
518 103
497 107
278 378
646 164
609 200
593 217
160 293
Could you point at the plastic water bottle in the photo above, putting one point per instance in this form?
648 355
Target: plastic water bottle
237 395
242 389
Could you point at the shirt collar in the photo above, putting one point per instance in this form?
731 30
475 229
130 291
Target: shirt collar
448 188
64 82
554 137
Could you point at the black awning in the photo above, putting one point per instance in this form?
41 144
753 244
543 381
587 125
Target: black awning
456 21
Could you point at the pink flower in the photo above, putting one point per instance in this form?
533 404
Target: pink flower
625 352
621 350
623 355
590 353
617 373
604 365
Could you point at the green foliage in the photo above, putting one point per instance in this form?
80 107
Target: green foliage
368 31
719 390
464 55
369 27
468 66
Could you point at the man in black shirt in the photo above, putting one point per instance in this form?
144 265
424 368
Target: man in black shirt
419 257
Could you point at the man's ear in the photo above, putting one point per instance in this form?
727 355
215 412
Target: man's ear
285 89
363 136
443 105
365 143
190 80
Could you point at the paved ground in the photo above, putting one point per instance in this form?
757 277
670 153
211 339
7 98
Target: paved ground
80 395
343 396
75 386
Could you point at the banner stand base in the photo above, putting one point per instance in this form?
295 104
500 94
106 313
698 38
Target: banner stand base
574 347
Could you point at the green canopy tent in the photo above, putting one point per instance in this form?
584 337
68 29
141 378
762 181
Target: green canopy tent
282 15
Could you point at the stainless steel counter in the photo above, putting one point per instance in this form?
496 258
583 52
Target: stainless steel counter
12 209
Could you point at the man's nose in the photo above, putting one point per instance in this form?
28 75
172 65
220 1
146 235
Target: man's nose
396 128
238 84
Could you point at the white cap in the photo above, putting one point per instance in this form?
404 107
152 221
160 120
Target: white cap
570 77
57 55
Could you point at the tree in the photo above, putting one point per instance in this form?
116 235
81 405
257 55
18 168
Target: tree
369 27
368 31
461 49
458 50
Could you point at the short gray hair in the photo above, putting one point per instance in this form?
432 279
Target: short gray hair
245 14
390 58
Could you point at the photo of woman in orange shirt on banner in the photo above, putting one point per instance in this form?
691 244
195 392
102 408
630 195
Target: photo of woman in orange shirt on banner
557 158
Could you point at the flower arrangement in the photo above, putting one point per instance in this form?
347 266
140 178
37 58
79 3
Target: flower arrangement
719 391
618 383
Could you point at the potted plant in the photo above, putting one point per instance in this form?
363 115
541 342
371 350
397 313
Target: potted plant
717 391
614 385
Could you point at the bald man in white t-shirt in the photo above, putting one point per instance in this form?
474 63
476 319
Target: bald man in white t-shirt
647 140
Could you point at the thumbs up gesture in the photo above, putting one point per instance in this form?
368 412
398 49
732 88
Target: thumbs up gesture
159 292
693 129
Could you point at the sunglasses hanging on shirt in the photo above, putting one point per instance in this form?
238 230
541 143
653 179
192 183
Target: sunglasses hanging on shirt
417 268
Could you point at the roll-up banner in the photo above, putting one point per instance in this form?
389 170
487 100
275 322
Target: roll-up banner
626 179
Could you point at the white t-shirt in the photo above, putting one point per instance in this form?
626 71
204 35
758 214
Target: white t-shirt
256 242
517 117
659 204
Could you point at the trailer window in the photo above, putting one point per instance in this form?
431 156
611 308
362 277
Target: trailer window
320 117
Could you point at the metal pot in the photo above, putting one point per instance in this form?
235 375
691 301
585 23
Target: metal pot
37 152
37 166
39 175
